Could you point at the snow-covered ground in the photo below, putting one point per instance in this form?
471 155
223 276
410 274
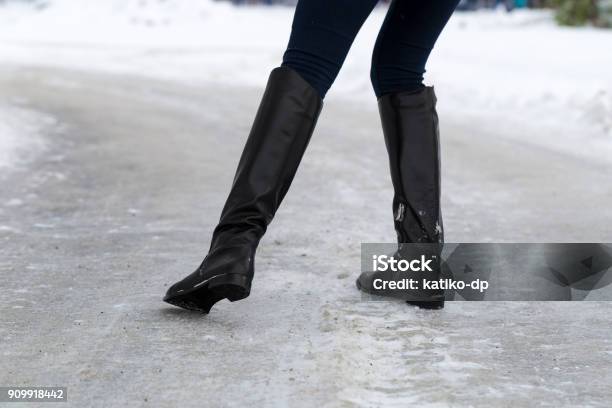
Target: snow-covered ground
124 200
517 74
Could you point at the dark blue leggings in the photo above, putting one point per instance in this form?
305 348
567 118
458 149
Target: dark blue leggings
323 31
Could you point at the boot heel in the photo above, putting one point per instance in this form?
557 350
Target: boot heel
427 304
232 285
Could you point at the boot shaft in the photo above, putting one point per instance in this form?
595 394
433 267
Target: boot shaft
410 127
274 148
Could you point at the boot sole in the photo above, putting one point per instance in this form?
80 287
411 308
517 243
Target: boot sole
232 287
427 304
421 304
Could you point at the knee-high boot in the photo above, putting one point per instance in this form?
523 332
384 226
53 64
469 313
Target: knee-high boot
279 136
410 127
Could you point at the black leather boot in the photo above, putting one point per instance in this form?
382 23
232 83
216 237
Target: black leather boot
280 134
410 127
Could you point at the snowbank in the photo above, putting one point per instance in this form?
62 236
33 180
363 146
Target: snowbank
517 75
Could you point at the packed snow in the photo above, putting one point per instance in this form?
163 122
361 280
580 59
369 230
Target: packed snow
516 75
21 134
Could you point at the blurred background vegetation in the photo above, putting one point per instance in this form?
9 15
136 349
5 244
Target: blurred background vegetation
567 12
581 12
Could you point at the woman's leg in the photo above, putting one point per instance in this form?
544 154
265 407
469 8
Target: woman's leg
321 36
405 41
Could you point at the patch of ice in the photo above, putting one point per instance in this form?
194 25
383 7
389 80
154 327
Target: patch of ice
21 134
44 226
7 228
13 202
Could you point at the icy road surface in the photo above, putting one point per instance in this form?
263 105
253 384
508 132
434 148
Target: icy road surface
122 202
